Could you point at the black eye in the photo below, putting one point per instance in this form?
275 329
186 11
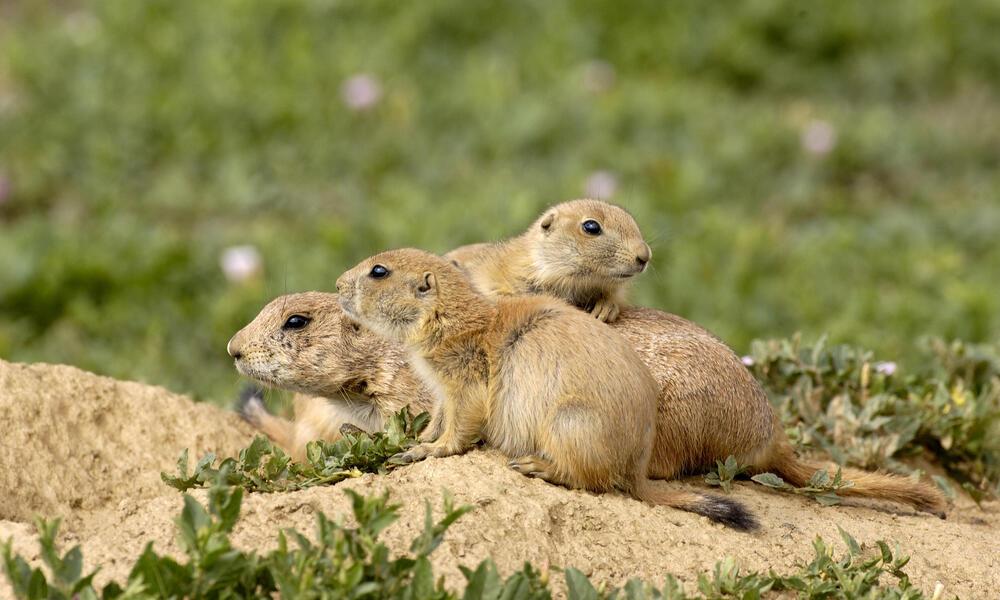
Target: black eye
592 227
379 272
296 322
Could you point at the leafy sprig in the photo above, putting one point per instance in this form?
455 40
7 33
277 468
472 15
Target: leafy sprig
725 472
820 486
263 467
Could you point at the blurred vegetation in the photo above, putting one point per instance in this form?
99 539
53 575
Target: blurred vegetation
827 167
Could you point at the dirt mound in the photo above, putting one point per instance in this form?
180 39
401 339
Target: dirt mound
90 449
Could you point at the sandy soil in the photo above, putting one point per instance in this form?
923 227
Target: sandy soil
90 449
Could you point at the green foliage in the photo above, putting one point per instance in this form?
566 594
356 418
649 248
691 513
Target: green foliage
342 563
839 399
140 139
263 467
819 486
725 472
346 562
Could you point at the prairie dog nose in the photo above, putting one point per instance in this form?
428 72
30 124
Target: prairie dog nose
644 254
234 346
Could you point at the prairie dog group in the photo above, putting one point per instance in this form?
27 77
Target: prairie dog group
708 404
575 414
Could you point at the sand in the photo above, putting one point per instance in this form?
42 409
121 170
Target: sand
90 449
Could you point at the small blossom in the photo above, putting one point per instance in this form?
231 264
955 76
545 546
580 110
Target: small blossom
748 361
601 185
886 368
819 138
598 76
361 92
240 263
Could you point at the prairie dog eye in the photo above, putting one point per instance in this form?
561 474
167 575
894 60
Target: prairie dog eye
379 272
296 322
591 227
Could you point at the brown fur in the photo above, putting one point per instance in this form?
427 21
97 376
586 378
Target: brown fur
709 407
345 373
523 375
556 257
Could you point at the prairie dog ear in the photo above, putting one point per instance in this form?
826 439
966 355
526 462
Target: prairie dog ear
428 286
547 221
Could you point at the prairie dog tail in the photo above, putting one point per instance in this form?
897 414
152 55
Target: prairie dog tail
250 406
867 484
721 510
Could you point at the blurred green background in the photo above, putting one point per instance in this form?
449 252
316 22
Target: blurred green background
816 167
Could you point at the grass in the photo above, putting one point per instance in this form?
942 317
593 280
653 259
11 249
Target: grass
351 562
138 141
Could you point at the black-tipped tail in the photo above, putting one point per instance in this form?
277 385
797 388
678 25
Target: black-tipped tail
250 404
723 510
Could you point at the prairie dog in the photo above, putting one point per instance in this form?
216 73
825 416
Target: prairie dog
579 414
344 373
583 251
709 405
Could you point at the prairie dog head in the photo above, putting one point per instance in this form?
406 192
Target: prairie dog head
588 241
305 343
399 292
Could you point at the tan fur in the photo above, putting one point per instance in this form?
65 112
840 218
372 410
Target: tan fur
556 257
564 396
345 373
709 405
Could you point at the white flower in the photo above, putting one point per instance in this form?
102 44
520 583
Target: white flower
361 92
819 138
240 263
598 76
600 185
748 361
886 368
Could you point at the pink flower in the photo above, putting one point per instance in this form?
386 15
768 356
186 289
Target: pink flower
886 368
240 263
819 138
361 92
748 361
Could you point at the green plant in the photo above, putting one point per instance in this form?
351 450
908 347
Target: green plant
351 562
343 562
841 400
263 467
820 486
725 472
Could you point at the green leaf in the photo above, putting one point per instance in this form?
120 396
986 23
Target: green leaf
422 585
770 480
828 498
483 583
37 588
578 587
820 479
852 544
